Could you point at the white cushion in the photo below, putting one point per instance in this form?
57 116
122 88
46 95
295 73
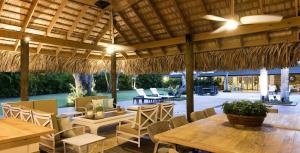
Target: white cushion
97 103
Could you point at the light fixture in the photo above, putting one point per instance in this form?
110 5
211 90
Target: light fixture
166 79
231 24
110 49
27 39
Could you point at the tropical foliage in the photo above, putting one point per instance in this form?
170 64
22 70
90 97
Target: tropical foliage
39 83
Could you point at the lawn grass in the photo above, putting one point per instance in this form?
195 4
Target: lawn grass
62 98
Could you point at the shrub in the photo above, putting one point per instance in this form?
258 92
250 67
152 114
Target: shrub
245 108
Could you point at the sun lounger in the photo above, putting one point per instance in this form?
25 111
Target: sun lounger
151 99
156 93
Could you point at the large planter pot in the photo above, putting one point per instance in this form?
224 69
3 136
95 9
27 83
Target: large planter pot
252 121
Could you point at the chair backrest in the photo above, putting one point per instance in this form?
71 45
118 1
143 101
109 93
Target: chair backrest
15 112
49 106
197 115
26 115
272 110
154 91
6 110
146 115
210 112
156 128
43 119
141 92
84 101
165 111
178 121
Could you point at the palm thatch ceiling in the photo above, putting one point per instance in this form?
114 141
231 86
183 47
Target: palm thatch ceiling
141 28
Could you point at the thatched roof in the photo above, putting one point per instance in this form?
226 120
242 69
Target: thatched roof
71 35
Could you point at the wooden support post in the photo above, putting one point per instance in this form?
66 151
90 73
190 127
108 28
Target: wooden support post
24 70
284 86
114 77
189 65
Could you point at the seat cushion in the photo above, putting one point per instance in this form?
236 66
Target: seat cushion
128 129
64 123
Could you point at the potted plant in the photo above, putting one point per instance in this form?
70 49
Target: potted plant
99 112
245 112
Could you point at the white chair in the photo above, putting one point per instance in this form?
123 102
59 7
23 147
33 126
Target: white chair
15 112
142 93
26 115
136 129
155 92
51 140
165 111
6 110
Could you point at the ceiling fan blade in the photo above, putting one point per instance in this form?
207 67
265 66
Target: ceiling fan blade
220 29
257 19
214 18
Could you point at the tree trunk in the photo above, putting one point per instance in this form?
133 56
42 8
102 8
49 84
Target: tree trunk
85 81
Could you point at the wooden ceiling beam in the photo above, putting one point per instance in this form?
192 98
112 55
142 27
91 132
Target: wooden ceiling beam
59 42
74 25
103 32
27 19
296 7
133 30
90 29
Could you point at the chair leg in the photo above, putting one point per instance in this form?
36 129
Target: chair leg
155 147
139 142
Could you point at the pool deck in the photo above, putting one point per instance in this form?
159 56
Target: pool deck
202 102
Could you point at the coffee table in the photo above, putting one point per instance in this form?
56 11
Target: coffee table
110 117
83 140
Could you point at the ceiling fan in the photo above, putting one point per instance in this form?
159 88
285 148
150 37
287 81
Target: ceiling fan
233 22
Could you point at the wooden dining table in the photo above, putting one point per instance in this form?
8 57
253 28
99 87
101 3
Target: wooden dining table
279 134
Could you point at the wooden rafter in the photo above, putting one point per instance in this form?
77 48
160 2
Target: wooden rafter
56 16
162 21
242 30
96 20
2 3
126 39
296 7
74 25
39 48
133 30
183 18
103 32
26 21
261 6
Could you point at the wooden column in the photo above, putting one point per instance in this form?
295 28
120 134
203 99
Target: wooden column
24 70
113 73
189 65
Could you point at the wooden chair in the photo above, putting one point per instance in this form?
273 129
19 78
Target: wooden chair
145 116
173 151
165 111
26 115
6 110
15 112
156 128
197 115
50 141
178 121
209 112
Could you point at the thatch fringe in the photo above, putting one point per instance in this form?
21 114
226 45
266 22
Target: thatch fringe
272 56
10 62
164 64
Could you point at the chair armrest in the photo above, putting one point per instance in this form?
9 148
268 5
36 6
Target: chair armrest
73 128
83 108
130 121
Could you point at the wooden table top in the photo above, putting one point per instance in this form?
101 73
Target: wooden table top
216 134
16 130
83 139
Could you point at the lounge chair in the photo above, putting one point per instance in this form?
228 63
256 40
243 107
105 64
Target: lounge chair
142 93
156 93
